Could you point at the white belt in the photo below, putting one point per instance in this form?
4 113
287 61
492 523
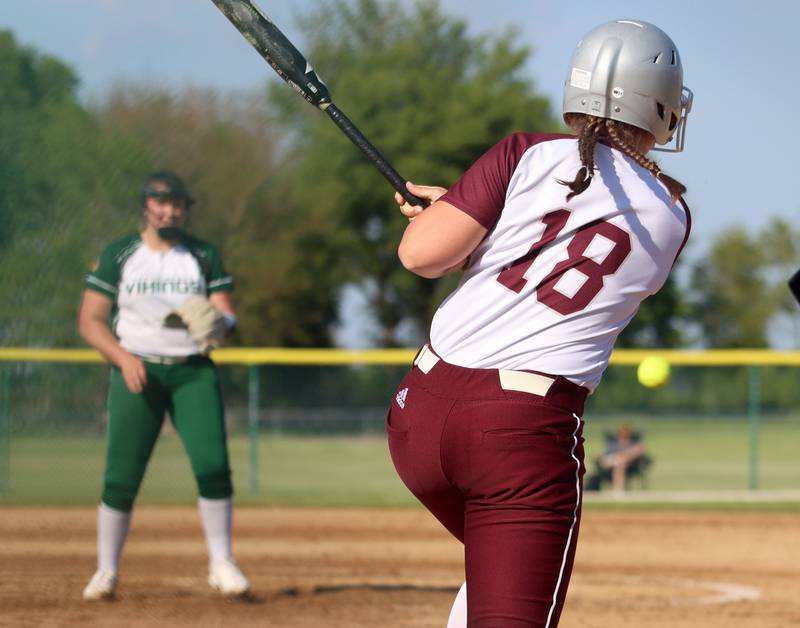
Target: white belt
166 359
520 381
525 382
426 359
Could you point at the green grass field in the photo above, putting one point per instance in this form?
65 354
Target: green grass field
357 471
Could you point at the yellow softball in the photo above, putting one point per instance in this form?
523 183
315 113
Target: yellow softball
653 371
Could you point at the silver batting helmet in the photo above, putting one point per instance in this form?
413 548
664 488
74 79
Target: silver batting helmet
630 70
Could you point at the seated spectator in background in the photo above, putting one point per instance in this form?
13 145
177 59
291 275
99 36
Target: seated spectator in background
623 457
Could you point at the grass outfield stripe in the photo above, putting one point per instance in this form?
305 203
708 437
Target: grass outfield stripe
696 463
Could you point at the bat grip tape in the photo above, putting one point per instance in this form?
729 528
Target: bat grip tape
374 155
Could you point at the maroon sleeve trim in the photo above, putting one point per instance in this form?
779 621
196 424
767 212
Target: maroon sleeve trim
481 190
688 229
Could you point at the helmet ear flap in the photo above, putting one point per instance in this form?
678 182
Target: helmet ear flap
678 122
673 121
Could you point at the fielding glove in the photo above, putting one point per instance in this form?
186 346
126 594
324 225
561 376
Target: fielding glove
205 323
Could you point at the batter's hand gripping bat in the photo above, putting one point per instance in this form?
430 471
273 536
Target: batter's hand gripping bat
293 68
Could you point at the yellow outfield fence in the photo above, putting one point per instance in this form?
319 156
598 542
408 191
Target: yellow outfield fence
320 357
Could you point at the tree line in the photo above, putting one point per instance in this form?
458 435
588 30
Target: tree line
298 213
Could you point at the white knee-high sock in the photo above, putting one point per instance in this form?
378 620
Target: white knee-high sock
217 516
112 530
458 614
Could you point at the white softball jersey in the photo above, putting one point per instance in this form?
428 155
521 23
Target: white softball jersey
146 285
554 282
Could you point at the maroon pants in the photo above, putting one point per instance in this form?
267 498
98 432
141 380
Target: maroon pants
502 470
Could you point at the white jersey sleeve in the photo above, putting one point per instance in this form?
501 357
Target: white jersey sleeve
554 282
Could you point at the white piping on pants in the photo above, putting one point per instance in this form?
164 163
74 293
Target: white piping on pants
574 518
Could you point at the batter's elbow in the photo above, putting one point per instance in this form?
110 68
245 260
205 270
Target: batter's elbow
417 262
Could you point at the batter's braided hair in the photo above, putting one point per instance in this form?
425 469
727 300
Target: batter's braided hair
625 138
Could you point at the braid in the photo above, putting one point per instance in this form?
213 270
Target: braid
623 137
587 143
620 139
621 142
587 139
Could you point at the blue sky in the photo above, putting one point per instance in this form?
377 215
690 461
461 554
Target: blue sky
739 59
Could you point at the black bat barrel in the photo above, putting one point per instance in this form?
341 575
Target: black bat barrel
293 68
278 51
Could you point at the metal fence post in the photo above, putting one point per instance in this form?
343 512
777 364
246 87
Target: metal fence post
252 422
753 420
5 428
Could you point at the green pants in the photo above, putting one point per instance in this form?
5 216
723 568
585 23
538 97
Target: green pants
190 393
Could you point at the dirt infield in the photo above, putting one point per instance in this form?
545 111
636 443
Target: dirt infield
393 569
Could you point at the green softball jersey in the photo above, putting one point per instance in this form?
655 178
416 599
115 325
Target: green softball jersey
146 285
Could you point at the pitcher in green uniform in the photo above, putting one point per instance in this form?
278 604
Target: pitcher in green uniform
154 305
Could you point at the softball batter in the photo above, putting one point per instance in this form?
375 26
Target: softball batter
170 299
561 238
